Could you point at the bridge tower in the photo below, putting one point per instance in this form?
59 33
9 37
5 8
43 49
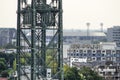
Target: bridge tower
39 40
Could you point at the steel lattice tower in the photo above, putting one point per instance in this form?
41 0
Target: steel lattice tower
39 37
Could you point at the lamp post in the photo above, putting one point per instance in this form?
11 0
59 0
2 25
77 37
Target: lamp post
101 24
88 25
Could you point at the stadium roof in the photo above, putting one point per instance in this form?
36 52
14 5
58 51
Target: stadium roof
76 33
82 33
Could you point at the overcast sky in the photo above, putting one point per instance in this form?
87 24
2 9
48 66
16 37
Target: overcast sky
76 13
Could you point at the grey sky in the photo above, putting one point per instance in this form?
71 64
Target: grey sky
76 13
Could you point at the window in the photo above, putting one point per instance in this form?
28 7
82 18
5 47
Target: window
88 51
85 51
84 54
117 55
89 54
93 58
103 51
109 58
74 54
74 51
98 54
93 54
81 51
103 55
108 54
98 58
98 51
118 51
113 51
77 51
108 51
71 54
94 51
117 59
77 54
103 59
81 55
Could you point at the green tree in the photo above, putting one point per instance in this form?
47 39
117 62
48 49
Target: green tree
25 58
3 60
71 73
89 74
14 65
85 73
51 60
4 74
22 60
2 64
9 46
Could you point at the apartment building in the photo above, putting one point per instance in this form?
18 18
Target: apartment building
7 35
106 51
113 34
96 56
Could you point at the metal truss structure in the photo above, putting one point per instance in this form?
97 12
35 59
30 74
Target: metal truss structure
39 40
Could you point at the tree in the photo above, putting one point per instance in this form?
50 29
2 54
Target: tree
71 73
22 60
9 46
4 74
2 60
85 73
11 59
25 58
14 65
2 64
89 74
51 60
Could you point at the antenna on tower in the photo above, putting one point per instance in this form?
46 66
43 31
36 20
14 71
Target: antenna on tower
101 24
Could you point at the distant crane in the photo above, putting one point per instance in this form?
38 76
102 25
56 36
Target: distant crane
39 18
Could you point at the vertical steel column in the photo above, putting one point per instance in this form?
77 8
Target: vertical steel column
33 55
43 50
60 41
43 42
18 40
